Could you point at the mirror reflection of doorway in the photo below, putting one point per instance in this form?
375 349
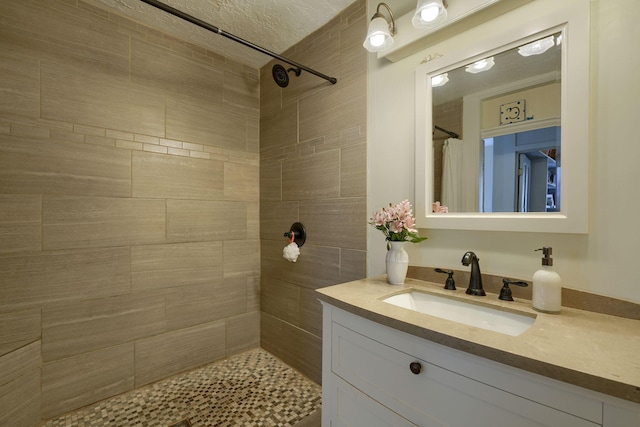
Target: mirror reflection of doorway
521 172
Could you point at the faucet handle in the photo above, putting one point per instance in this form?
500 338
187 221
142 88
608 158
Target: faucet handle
505 292
450 284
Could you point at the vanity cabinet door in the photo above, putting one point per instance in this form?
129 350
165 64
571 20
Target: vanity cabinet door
355 409
617 416
432 395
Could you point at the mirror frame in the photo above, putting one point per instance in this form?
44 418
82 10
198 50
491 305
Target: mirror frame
572 18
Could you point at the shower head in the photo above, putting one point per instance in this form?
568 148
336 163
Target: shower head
280 74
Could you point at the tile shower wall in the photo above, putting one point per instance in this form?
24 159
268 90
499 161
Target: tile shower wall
313 170
129 207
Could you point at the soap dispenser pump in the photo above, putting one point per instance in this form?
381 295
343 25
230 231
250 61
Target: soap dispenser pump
547 285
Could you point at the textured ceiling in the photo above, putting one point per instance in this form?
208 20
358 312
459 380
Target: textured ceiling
275 25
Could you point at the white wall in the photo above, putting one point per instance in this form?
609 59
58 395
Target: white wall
603 262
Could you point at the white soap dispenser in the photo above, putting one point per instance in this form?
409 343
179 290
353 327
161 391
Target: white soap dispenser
547 285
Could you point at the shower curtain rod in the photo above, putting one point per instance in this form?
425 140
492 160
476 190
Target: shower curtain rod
206 26
448 132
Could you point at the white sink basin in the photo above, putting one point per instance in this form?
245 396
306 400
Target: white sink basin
479 316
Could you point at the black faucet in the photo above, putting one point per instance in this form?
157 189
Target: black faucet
475 281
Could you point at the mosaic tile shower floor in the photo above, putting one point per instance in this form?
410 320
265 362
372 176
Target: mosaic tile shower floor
250 389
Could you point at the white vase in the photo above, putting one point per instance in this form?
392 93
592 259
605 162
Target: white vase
397 263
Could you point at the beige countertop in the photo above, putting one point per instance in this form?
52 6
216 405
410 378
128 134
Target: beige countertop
591 350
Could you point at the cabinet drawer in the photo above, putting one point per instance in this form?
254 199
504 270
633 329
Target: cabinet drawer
436 394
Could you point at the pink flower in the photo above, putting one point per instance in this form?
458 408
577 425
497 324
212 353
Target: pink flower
397 223
409 224
403 210
379 218
396 226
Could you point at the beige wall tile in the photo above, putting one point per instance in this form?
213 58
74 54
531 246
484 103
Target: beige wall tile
160 176
35 166
77 327
197 304
310 312
279 298
174 265
242 90
312 177
20 223
279 128
272 262
68 37
253 293
100 213
79 94
316 266
353 264
20 400
19 328
17 363
322 49
243 333
168 354
253 134
34 278
352 55
313 156
152 148
20 386
353 171
198 220
293 345
253 220
338 108
270 92
84 222
276 219
271 182
241 258
191 119
87 378
19 85
241 182
160 69
336 220
100 140
89 130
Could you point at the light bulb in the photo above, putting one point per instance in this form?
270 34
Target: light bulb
480 66
439 80
377 40
429 13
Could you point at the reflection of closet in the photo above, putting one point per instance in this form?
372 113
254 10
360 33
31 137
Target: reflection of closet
523 171
544 196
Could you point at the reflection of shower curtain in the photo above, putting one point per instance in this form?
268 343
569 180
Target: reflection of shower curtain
452 174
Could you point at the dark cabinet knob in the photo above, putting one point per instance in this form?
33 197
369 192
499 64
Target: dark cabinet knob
415 367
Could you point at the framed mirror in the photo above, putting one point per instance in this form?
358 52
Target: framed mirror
506 148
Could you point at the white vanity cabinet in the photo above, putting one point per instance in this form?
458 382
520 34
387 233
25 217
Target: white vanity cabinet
374 375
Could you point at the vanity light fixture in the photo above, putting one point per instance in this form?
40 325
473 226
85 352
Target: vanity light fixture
537 47
380 33
439 80
429 13
480 66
